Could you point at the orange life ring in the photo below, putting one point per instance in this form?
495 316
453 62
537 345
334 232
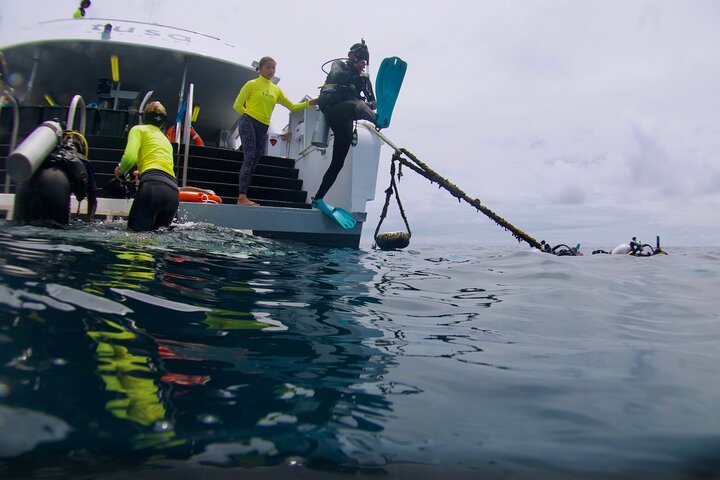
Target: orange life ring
193 136
203 197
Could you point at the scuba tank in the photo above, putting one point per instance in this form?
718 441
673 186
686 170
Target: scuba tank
321 131
46 179
32 152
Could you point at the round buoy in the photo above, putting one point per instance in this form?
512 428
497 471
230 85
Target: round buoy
392 240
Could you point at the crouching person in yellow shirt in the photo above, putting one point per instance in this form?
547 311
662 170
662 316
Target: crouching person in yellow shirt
156 201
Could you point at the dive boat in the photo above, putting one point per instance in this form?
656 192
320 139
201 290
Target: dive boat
115 66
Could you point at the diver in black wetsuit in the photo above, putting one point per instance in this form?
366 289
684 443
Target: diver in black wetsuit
46 195
346 96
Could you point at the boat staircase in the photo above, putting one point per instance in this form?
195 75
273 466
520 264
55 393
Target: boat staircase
275 182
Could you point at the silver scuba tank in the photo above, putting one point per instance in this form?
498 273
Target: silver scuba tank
32 152
321 131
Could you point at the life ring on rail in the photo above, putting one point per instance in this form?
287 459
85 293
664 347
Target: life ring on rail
170 133
201 197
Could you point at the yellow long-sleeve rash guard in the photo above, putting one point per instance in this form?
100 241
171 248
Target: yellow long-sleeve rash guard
149 148
258 97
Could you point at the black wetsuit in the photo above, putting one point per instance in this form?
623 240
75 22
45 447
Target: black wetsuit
347 96
46 195
156 202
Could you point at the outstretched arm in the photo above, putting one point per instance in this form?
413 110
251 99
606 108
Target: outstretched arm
293 107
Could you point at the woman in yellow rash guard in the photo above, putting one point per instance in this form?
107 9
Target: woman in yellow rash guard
80 12
156 201
255 103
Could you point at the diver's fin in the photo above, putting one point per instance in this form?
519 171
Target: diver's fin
387 87
342 217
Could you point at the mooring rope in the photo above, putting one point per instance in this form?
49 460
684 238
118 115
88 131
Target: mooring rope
401 240
421 168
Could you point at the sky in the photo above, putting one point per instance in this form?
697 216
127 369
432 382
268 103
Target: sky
577 121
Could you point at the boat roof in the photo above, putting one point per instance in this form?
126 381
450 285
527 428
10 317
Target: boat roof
62 58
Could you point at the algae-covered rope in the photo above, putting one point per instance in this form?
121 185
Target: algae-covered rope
421 168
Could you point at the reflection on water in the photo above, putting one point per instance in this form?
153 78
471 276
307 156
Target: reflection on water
244 355
204 352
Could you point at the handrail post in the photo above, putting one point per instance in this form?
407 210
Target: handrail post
186 133
14 134
77 99
142 105
381 136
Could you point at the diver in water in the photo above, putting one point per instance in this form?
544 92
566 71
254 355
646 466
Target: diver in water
46 195
346 96
635 248
156 201
563 250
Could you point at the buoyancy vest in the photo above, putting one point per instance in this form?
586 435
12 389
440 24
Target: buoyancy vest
77 168
344 83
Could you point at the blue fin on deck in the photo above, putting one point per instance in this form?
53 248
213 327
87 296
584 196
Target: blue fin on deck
342 217
387 87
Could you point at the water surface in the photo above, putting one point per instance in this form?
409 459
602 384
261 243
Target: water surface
205 353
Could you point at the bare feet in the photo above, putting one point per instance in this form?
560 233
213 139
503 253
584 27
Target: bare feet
244 200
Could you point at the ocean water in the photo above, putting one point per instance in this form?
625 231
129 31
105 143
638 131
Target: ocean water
204 353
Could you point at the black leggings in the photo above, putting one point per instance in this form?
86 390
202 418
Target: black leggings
156 202
253 135
340 117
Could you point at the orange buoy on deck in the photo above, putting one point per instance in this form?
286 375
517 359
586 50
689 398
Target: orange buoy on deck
194 137
195 196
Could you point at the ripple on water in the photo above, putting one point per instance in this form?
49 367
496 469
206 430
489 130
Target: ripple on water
203 346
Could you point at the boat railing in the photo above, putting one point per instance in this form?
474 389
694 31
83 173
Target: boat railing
233 132
376 132
186 133
77 99
143 103
307 151
15 128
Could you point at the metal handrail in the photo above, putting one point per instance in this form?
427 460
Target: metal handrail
142 105
77 99
371 127
186 132
235 128
14 134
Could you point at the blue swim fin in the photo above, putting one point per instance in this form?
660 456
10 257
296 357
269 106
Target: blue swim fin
342 217
387 87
